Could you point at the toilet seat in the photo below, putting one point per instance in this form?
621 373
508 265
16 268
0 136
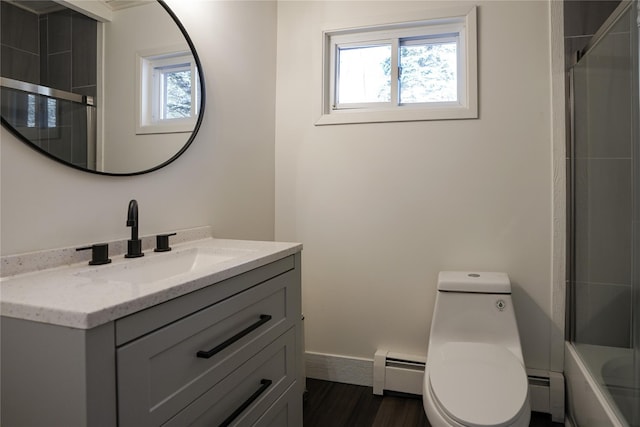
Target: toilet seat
478 384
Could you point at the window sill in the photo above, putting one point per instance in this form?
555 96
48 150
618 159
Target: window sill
182 127
340 117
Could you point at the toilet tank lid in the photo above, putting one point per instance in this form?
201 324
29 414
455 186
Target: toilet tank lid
474 281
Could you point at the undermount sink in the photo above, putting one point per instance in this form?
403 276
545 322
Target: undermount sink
162 266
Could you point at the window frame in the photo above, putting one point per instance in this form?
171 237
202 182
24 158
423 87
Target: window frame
148 112
436 24
335 67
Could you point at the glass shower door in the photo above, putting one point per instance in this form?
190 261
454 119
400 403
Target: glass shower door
605 190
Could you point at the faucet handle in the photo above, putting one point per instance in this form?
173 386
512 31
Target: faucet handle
162 242
99 253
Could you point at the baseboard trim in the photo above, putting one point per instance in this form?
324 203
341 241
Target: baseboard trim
546 389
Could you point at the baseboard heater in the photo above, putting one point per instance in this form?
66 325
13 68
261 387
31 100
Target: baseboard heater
404 373
397 372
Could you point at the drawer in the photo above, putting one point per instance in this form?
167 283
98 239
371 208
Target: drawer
162 372
242 397
286 411
138 324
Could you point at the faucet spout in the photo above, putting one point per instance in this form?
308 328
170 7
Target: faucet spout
132 219
134 245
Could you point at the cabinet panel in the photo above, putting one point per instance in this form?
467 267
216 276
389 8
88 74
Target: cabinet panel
56 376
160 374
224 402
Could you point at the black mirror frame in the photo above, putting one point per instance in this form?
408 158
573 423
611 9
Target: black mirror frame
178 154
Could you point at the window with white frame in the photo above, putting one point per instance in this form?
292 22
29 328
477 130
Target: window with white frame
404 71
169 93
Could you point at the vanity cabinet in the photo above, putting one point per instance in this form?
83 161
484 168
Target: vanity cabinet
227 354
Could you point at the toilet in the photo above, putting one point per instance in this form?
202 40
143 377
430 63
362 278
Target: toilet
475 374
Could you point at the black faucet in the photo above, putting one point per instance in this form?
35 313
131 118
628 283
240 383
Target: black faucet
134 246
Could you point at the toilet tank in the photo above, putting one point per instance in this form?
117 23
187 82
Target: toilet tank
472 308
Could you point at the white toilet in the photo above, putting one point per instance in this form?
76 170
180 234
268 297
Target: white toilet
475 374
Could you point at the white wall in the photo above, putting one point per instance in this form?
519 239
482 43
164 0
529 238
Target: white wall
225 179
381 208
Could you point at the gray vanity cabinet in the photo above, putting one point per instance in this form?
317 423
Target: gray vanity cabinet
227 354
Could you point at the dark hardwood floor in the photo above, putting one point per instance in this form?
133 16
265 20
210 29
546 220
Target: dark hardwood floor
330 404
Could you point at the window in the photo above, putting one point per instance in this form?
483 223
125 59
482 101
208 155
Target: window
48 117
169 93
418 70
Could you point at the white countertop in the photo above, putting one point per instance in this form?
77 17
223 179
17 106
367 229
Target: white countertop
70 296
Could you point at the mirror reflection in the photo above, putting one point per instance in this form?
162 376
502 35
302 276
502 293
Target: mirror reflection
112 87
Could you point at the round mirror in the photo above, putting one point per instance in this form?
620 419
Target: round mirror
112 87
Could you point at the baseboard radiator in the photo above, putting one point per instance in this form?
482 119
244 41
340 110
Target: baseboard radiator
397 372
404 373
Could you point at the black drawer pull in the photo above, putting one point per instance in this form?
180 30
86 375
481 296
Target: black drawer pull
265 385
264 318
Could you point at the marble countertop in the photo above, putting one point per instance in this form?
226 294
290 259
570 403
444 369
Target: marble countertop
77 297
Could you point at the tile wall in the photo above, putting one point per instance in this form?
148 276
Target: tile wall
582 18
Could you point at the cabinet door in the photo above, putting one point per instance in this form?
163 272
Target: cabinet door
242 397
162 373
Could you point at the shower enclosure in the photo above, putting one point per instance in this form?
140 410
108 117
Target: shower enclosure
604 212
61 124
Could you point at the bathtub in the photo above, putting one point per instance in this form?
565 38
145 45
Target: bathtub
589 401
617 373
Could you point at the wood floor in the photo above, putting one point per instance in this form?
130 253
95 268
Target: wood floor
332 404
344 405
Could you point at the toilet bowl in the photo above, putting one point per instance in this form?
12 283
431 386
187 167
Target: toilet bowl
475 374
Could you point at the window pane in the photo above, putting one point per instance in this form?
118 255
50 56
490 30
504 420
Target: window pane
52 113
177 91
363 74
428 72
31 110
